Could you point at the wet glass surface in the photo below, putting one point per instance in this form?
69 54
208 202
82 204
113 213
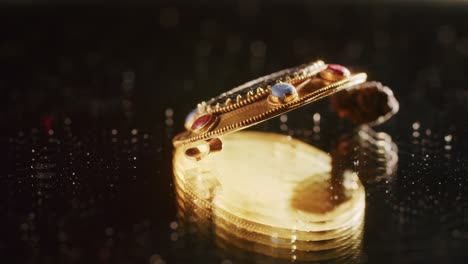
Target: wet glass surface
91 98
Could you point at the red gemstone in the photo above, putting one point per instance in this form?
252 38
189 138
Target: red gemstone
201 121
338 69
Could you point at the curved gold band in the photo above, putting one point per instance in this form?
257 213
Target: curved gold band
251 103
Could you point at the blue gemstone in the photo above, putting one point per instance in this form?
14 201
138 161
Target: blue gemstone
280 90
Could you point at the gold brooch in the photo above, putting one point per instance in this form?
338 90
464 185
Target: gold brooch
264 98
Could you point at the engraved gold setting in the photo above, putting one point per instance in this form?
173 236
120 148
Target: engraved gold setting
283 98
335 72
210 123
261 92
261 110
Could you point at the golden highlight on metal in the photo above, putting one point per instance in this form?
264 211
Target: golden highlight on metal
265 98
289 207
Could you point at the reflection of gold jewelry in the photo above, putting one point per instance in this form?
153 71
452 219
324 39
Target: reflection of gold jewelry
373 155
264 98
310 210
295 212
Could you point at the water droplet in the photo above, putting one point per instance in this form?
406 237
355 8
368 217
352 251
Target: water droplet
169 112
316 117
174 225
448 138
284 118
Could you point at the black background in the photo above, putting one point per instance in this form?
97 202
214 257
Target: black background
91 96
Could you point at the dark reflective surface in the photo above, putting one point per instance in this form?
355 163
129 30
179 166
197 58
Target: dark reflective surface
92 97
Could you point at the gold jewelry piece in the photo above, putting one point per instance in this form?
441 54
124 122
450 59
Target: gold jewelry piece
276 94
264 98
311 209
